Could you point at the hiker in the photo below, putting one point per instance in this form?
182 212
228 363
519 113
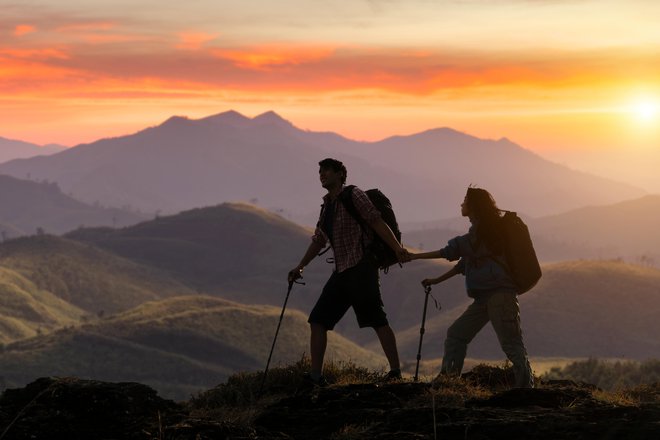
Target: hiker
488 283
354 281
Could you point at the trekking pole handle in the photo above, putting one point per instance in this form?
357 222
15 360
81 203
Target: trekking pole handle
427 289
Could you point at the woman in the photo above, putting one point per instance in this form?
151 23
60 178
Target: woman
481 259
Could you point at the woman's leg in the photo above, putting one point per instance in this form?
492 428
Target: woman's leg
460 334
504 314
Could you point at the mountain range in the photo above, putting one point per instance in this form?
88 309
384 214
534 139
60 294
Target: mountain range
185 163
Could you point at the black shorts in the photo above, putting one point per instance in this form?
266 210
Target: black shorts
357 287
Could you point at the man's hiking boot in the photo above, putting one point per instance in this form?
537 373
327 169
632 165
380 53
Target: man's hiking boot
321 382
392 376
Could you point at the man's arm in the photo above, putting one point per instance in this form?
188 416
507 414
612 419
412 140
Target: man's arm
383 230
312 251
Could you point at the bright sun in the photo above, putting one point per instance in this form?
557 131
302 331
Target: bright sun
645 111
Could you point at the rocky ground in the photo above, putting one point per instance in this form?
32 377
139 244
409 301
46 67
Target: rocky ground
476 407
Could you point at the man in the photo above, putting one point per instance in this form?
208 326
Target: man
354 282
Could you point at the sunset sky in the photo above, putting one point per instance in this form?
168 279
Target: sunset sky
577 81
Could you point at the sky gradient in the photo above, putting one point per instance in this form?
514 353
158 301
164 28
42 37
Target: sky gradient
576 81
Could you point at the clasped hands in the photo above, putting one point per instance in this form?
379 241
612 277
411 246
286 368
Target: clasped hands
403 255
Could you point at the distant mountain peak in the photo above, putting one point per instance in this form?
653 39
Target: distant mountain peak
270 117
176 120
231 117
440 133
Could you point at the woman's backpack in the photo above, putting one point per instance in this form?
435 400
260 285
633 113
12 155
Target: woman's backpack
520 259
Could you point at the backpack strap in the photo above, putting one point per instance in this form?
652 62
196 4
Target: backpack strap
346 198
320 226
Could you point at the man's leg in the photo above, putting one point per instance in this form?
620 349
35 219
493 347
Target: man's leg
318 343
504 313
329 309
460 334
388 342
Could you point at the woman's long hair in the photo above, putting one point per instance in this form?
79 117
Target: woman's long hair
484 210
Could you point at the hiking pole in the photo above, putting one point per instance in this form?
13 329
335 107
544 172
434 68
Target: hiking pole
427 290
288 292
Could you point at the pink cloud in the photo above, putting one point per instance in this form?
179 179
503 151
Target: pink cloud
194 40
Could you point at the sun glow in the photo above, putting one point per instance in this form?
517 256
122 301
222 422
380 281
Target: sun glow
645 111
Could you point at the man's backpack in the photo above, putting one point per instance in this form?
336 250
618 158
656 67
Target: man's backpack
520 258
383 255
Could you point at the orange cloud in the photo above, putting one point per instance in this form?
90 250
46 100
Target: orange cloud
42 54
264 58
24 29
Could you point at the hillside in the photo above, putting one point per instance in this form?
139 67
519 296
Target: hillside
240 250
178 346
26 206
26 310
84 276
583 308
185 163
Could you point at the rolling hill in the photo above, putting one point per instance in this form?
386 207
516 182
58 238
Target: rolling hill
179 346
84 276
26 206
240 250
184 163
26 310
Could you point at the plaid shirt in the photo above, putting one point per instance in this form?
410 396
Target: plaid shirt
348 240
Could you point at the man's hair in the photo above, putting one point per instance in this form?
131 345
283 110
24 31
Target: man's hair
336 166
